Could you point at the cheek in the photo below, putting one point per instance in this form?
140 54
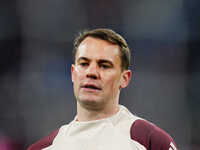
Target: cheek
78 75
112 82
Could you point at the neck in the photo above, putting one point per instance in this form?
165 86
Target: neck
86 114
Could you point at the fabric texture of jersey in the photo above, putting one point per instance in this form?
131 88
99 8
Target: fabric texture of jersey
121 131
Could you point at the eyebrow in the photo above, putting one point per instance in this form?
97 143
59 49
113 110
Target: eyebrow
82 58
105 61
99 61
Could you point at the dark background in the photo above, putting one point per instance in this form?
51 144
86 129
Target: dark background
36 41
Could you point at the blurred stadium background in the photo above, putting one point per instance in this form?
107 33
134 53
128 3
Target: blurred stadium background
36 41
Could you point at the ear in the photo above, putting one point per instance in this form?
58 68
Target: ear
125 78
72 72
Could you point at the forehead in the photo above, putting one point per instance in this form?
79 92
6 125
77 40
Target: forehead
94 48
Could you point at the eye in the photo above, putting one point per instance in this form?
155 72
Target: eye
84 64
105 66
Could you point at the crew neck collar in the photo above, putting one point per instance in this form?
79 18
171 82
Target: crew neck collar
112 118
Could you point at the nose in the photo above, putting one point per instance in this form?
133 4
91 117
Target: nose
92 71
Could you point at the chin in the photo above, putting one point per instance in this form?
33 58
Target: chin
89 98
92 104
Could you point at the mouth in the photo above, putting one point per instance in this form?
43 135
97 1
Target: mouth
91 87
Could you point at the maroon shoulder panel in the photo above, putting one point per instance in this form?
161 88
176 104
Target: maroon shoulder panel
44 142
151 136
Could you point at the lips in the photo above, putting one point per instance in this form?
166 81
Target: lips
91 86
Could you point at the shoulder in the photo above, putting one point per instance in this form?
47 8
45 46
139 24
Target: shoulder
151 136
44 142
49 139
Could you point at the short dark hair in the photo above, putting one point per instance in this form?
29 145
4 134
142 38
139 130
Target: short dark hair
110 36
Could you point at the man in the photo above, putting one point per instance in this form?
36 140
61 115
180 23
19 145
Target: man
99 72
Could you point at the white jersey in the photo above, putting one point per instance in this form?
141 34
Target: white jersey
122 131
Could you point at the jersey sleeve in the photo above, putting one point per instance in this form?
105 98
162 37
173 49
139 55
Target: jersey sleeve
44 142
151 136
